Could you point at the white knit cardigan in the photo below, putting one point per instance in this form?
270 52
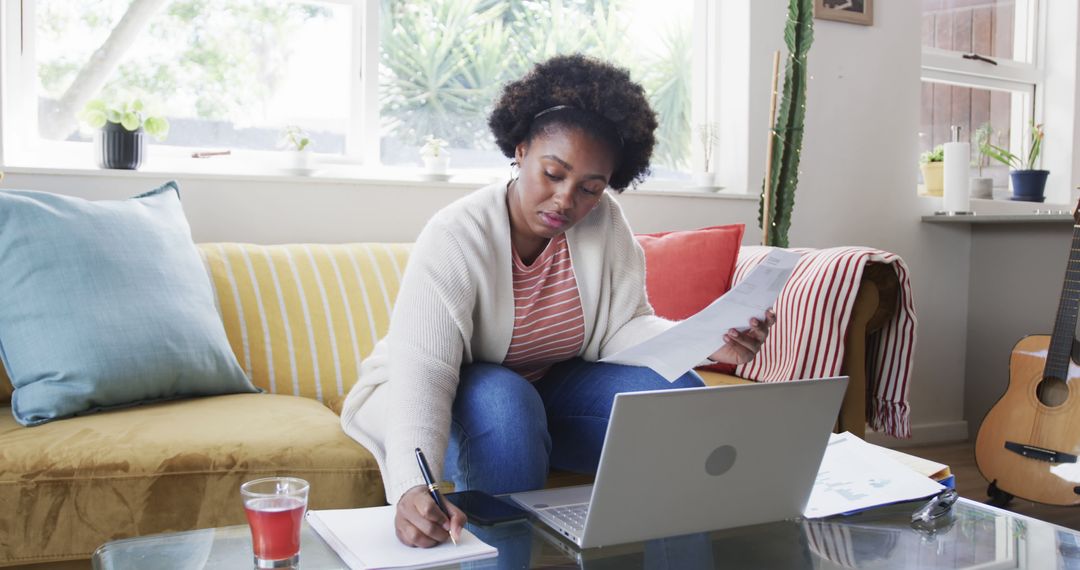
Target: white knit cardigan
456 306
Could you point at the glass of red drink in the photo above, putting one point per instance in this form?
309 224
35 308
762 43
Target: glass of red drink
275 509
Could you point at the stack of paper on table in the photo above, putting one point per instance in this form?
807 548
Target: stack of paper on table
937 471
856 475
365 539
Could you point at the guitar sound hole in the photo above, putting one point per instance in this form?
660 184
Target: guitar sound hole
1052 392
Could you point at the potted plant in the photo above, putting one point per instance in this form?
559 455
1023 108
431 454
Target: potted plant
709 136
932 164
297 142
435 156
1029 183
981 187
120 139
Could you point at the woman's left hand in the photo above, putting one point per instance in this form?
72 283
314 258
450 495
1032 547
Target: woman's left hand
742 347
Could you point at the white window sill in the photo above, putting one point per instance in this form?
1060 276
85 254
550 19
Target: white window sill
999 210
240 168
1044 217
1000 204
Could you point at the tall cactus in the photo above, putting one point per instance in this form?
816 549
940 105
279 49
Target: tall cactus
788 131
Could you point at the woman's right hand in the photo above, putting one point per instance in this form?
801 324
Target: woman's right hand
419 522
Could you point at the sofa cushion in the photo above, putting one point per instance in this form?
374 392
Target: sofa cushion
113 309
67 487
301 317
687 270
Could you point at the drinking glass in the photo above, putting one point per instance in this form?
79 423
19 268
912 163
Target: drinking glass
275 509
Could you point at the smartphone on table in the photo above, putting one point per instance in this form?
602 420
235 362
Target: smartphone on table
484 509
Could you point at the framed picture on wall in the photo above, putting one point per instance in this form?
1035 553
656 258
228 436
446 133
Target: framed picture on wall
851 11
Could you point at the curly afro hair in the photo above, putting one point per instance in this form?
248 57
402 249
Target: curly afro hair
591 95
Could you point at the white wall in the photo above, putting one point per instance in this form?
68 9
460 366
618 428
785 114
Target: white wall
857 187
1017 273
271 211
1059 100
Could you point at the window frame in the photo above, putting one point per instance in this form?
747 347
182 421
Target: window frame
1022 76
18 107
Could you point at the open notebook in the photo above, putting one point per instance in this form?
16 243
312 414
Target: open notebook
365 539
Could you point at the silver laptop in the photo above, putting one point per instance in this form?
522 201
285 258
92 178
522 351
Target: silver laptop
691 460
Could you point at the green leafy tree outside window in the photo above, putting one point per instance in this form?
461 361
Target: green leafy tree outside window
442 61
228 67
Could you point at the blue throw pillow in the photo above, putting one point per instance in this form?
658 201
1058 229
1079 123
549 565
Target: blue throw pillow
106 304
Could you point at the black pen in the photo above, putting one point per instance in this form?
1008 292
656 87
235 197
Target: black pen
432 487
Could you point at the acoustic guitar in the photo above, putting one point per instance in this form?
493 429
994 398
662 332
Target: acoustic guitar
1029 441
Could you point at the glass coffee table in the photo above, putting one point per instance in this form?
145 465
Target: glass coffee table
975 536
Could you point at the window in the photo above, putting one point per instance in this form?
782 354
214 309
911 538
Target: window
981 114
979 73
232 73
226 73
442 64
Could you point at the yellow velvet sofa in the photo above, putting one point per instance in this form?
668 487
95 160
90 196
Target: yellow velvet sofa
299 319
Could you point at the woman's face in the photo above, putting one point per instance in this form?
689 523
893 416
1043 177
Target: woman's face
563 174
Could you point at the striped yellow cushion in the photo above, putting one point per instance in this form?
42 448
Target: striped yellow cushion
300 317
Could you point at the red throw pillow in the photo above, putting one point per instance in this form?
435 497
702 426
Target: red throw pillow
687 270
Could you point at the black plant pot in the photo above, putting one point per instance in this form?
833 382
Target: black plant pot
120 148
1029 185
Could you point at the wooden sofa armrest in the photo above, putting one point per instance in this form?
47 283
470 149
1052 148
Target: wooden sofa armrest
883 277
875 303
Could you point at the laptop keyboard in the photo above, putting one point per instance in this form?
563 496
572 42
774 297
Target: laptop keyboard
571 516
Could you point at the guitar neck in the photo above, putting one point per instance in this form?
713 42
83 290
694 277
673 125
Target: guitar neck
1061 340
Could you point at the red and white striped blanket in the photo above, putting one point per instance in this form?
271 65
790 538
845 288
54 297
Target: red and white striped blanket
813 313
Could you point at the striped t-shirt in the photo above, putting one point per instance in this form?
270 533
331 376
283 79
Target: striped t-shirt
549 326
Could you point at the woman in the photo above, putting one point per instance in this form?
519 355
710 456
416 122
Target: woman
511 296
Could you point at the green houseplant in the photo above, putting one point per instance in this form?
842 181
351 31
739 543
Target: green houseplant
295 138
120 140
1028 182
981 187
932 164
297 142
435 156
709 137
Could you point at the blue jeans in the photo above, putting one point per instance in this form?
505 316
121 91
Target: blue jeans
506 432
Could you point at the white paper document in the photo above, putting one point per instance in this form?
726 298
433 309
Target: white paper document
856 475
365 539
685 345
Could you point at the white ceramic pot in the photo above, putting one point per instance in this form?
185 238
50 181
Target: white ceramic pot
300 159
704 179
436 164
982 188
